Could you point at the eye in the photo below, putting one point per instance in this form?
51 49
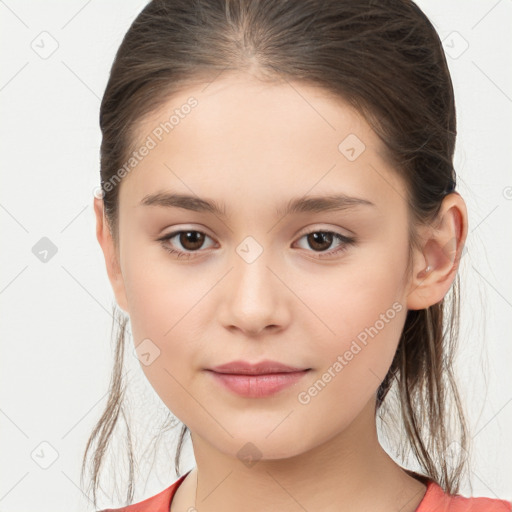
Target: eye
321 240
190 240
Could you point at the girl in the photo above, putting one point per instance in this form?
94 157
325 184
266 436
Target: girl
280 224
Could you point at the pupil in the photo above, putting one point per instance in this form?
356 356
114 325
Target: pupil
318 237
192 237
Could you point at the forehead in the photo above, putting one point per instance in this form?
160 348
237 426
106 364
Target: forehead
262 140
240 105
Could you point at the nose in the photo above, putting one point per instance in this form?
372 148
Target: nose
254 298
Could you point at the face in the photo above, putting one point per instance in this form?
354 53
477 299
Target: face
316 288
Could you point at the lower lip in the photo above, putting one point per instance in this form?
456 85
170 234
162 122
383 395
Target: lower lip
258 386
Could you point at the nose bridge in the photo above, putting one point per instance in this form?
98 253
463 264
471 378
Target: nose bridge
253 300
252 277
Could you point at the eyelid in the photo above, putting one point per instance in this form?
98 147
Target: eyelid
345 240
166 237
322 227
304 231
179 228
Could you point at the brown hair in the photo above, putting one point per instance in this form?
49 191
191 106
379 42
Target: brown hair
385 58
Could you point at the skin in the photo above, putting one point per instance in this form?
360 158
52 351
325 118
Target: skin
288 305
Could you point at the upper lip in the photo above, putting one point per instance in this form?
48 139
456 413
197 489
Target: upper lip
263 367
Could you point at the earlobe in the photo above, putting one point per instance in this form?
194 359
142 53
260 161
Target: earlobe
436 265
104 237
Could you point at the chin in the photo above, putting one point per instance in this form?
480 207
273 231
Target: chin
253 445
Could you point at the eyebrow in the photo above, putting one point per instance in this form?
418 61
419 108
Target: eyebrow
310 204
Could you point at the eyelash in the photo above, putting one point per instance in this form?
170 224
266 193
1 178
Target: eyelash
347 241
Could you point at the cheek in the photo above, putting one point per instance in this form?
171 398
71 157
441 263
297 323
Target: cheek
365 339
352 363
363 313
161 294
353 300
166 309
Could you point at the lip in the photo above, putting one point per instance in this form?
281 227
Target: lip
256 380
263 367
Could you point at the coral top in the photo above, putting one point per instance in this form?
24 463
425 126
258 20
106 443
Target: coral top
434 500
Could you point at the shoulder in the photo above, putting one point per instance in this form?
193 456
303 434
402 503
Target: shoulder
436 500
161 502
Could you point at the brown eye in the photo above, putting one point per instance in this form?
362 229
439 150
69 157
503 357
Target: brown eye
191 240
320 240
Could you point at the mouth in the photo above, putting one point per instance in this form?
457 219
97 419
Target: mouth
257 385
266 367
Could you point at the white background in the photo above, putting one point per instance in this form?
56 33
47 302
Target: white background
56 322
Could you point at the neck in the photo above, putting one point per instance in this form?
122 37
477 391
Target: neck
350 471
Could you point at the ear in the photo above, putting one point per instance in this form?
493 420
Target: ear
106 242
441 250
